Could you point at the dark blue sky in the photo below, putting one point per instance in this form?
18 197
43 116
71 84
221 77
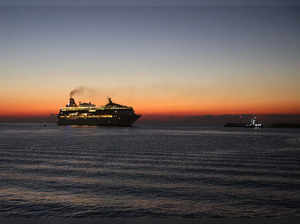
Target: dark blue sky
152 2
239 55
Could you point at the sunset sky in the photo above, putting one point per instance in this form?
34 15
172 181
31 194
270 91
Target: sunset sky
183 60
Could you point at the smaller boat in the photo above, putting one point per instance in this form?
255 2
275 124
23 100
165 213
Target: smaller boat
252 123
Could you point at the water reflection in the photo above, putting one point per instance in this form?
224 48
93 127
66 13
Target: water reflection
97 171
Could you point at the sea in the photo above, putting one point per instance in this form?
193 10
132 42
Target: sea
148 171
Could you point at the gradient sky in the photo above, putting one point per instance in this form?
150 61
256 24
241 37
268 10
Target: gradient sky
160 60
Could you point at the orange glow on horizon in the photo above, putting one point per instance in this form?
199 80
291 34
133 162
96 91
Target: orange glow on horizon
30 104
161 109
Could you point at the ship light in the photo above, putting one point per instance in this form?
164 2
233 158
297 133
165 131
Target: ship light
106 115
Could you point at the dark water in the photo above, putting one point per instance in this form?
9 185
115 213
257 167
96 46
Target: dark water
148 171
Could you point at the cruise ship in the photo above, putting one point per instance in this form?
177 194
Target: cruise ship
112 114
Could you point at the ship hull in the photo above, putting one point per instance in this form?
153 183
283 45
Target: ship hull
243 125
237 125
117 121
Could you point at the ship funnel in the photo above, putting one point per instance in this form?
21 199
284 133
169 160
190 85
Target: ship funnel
72 102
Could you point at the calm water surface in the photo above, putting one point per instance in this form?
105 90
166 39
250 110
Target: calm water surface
148 171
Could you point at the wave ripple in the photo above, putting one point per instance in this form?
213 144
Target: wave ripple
132 172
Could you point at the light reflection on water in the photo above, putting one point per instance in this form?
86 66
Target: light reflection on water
142 171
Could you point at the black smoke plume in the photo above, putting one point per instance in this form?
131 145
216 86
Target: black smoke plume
82 91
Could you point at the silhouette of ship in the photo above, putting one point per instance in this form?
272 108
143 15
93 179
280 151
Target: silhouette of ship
252 123
112 114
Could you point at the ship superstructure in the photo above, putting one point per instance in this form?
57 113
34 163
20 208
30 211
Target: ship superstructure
90 114
254 124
